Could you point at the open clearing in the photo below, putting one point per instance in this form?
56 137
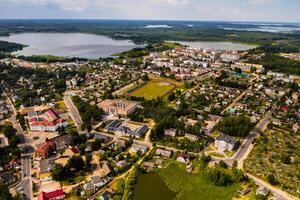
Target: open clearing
156 88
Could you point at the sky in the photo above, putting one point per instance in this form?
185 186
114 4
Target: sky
201 10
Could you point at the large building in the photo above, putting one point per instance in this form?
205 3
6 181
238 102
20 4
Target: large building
54 195
123 129
48 121
225 143
248 67
117 107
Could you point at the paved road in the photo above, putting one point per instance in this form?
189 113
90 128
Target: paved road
26 177
73 110
25 159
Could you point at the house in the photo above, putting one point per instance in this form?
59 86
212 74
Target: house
14 164
54 195
184 158
170 132
45 165
163 152
148 165
190 168
105 166
98 181
225 143
106 195
3 141
118 107
89 186
122 163
262 191
137 147
46 149
191 137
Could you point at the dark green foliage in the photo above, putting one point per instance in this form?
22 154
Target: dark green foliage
272 180
60 173
279 64
4 192
235 126
76 162
10 46
88 113
172 96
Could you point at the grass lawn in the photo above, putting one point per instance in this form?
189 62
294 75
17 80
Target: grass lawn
194 187
155 88
61 105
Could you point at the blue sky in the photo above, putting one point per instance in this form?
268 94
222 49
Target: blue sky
223 10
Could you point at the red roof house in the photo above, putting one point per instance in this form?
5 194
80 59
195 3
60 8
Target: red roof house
46 149
284 108
54 195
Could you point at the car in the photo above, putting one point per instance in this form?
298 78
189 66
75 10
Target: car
20 189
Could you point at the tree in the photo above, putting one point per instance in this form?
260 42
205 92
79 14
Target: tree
145 77
75 162
272 180
60 173
4 192
88 160
172 96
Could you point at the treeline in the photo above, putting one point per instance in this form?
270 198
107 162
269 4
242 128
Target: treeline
238 126
88 113
279 64
10 46
50 59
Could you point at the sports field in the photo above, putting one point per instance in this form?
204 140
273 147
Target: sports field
155 88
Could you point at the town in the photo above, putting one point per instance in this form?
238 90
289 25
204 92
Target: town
87 129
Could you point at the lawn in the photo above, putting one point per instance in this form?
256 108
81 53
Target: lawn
155 88
194 187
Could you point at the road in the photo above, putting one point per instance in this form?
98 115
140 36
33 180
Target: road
26 182
72 110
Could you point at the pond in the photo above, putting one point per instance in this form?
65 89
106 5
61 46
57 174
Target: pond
69 44
152 187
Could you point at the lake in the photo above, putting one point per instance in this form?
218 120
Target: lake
218 45
151 186
69 44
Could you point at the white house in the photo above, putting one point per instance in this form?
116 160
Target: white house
225 143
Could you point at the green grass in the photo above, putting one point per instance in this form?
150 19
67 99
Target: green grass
154 89
194 187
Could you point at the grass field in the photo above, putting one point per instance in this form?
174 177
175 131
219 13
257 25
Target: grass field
194 187
156 88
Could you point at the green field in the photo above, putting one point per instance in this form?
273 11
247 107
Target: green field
194 187
155 88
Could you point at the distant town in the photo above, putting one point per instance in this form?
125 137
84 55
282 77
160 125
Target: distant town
215 122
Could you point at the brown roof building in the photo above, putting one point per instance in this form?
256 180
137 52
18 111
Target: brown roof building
117 107
46 149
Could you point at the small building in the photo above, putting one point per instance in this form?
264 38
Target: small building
162 152
54 195
191 137
225 143
98 181
244 191
122 163
46 149
262 191
148 165
89 186
184 158
170 132
106 195
106 168
137 147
